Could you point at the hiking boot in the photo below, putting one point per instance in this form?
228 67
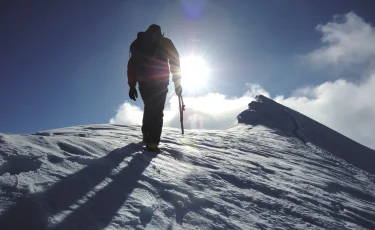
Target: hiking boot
152 147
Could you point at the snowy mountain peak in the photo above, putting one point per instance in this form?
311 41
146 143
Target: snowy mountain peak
266 112
268 172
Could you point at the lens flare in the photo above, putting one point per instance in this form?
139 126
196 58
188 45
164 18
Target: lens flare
194 71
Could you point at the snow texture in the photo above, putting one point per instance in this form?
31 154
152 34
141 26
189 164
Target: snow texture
276 169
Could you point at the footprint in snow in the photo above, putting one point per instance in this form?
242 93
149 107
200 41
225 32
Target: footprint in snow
18 164
146 214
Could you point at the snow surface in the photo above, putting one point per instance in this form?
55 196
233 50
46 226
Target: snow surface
257 175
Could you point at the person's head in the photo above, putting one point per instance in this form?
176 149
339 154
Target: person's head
154 31
140 34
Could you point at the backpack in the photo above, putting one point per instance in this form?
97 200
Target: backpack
145 54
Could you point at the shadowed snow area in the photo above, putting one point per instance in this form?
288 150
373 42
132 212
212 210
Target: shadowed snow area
275 170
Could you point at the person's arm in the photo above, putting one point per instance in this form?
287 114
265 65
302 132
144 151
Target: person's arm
131 73
132 80
174 61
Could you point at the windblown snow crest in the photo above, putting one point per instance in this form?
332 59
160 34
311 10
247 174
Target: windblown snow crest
268 172
269 113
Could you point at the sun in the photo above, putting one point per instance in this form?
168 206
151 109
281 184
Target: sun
194 72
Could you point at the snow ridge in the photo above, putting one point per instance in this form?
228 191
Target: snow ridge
247 177
273 115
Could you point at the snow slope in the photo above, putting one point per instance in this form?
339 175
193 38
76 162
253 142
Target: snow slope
257 175
267 112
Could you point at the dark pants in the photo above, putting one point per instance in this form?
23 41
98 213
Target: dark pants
153 96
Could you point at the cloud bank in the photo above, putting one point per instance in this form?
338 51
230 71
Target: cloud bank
342 105
212 111
348 39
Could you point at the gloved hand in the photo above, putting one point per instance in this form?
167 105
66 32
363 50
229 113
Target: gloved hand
178 89
133 93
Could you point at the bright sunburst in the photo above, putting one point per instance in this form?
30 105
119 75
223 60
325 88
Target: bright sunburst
194 71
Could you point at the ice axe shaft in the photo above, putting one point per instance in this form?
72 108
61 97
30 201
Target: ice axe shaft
182 108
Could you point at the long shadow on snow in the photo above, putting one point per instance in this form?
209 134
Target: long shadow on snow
31 212
100 209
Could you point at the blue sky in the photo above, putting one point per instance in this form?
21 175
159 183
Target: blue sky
63 63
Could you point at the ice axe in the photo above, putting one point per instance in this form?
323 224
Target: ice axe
182 108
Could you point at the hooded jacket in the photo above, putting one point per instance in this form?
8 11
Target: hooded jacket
153 62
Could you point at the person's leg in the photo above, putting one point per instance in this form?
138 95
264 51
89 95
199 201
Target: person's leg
159 98
154 106
145 127
146 95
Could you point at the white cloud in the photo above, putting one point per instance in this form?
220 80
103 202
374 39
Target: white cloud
128 114
348 40
213 111
341 105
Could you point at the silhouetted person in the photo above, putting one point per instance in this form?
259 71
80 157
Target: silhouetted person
153 58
